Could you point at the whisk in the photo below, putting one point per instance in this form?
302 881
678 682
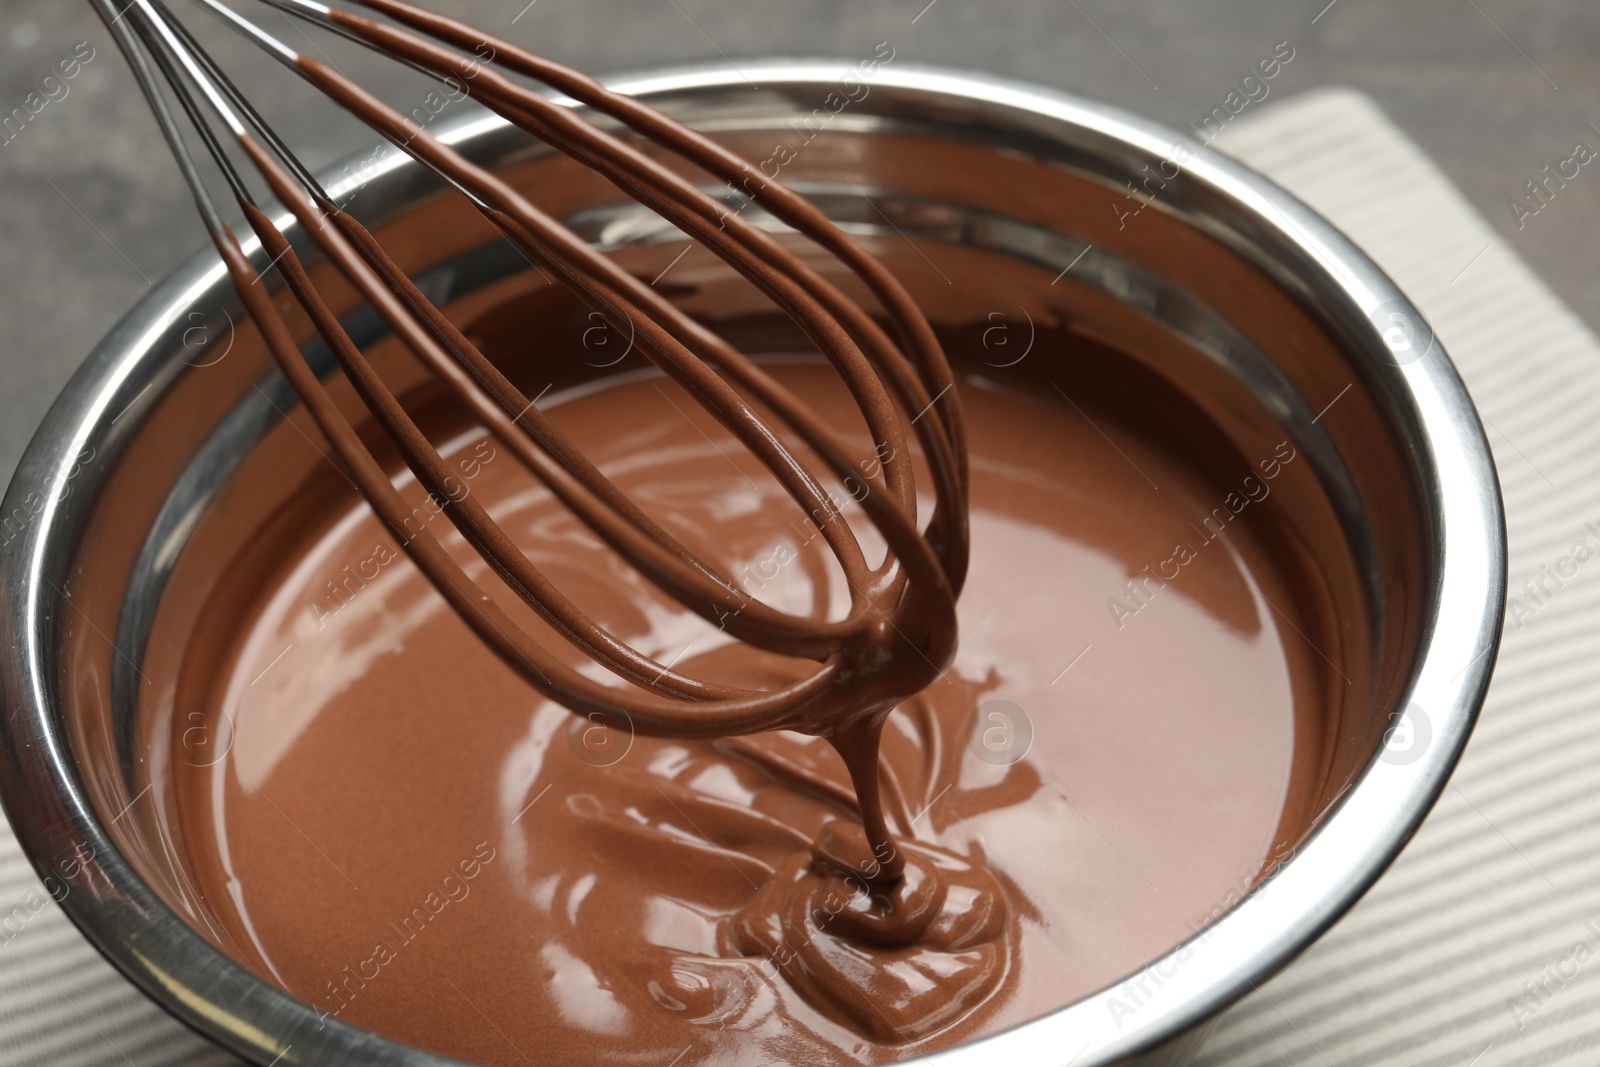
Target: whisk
899 631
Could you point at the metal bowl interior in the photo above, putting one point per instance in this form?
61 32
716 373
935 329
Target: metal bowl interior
1223 285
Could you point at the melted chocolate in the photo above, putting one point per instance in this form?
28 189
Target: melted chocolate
811 892
899 632
401 834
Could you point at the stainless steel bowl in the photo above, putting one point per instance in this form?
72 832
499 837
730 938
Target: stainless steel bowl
1223 283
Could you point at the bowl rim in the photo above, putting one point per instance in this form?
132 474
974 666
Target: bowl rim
1348 849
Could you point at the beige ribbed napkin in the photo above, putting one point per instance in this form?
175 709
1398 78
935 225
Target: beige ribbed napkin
1477 943
1476 948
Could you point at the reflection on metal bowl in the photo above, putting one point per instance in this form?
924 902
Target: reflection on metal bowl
1227 288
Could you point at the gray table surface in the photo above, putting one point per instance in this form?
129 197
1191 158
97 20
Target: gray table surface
1493 91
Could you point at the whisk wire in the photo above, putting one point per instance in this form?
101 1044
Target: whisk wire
128 42
925 567
948 525
573 492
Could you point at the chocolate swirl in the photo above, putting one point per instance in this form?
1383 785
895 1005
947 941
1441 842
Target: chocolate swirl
765 851
901 962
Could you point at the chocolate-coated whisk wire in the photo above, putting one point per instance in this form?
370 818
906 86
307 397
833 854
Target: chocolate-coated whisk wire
197 61
335 337
286 55
128 40
953 558
238 100
913 589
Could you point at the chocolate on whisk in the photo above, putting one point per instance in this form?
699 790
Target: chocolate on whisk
899 631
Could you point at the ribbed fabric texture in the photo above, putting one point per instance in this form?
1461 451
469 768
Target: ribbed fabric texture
1467 953
61 1003
1473 948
